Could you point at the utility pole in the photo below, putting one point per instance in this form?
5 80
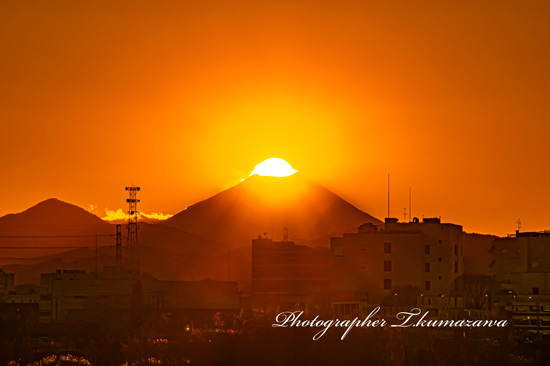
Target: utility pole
118 245
96 254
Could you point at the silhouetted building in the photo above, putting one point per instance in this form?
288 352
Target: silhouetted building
288 276
522 262
24 294
521 266
371 264
6 284
66 293
531 313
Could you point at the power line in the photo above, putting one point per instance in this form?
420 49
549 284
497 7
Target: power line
52 236
46 259
51 247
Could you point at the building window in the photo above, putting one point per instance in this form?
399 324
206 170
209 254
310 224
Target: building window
338 251
387 266
456 267
426 267
535 290
456 249
426 249
387 247
439 241
427 285
439 259
387 284
439 277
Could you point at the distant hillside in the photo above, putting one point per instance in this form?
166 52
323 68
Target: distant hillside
52 216
51 223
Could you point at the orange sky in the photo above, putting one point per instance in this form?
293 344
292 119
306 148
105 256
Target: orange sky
185 97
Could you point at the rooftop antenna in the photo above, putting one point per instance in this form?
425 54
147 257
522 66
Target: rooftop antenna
519 225
388 196
285 234
410 204
404 214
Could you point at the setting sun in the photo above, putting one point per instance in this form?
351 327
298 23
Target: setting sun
273 167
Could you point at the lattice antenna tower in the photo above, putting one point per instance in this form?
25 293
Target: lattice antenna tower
132 226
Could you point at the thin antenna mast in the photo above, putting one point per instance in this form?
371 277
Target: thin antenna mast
388 196
410 205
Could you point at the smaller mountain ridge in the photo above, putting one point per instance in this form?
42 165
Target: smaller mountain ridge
48 227
53 212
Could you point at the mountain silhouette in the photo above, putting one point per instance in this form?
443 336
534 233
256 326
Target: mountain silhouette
49 228
53 215
57 235
261 204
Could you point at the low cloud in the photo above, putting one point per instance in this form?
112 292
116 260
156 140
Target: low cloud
113 215
120 214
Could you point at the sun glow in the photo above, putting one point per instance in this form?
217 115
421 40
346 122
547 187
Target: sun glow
273 167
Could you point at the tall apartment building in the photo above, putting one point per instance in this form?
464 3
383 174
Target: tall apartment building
521 265
372 263
522 262
288 276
